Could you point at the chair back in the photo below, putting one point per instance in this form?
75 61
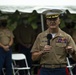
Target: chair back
16 67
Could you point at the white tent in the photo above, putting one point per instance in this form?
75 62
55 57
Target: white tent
38 5
9 6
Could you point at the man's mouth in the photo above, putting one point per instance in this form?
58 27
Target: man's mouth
52 24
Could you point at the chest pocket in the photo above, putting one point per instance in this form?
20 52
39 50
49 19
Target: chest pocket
42 44
4 33
7 33
60 48
61 44
1 34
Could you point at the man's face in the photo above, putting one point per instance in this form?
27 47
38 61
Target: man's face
25 22
53 22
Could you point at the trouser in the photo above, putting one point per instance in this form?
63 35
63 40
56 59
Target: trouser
5 61
25 51
52 71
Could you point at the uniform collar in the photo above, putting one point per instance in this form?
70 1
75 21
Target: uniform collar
59 33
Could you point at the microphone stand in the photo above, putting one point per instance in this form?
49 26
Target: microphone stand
69 66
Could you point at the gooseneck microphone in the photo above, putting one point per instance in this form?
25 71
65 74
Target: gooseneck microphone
49 37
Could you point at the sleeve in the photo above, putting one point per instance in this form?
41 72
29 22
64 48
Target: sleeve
36 45
72 43
9 33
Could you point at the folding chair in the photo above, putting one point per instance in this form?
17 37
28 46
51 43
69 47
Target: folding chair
3 71
19 57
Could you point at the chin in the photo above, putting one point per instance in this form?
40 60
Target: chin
52 26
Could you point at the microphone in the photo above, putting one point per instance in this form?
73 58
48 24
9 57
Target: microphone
49 37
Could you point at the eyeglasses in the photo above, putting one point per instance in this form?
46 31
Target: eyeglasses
52 19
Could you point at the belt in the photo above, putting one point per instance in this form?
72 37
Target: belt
53 65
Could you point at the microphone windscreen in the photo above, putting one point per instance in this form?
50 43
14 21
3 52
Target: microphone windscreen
49 36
